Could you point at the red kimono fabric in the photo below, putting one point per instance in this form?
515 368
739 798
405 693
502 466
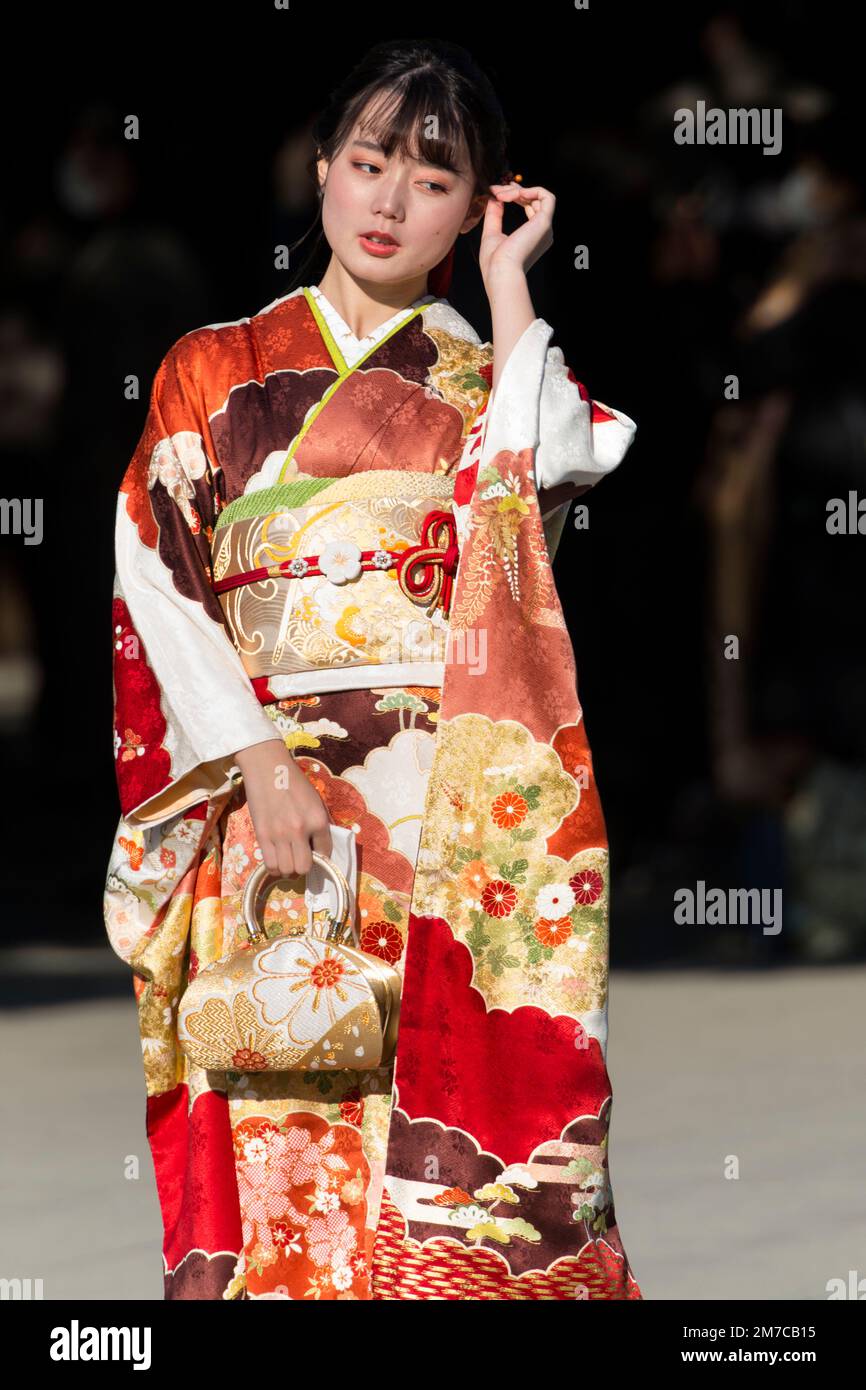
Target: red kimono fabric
475 1166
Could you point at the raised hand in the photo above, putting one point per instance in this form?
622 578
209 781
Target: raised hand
520 249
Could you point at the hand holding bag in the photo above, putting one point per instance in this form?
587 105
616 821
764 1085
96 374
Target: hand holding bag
293 1002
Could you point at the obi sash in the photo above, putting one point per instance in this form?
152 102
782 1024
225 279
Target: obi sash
328 583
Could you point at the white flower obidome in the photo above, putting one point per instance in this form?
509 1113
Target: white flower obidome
340 561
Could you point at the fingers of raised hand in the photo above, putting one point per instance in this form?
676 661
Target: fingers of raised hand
516 192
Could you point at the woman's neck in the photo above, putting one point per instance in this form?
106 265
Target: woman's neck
363 306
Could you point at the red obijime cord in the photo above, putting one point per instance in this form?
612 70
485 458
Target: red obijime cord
425 572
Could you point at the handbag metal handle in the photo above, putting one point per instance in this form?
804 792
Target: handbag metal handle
262 875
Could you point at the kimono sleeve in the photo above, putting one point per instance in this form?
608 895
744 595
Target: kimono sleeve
580 440
183 703
540 404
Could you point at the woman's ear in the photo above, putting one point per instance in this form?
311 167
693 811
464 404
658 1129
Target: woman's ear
475 211
322 166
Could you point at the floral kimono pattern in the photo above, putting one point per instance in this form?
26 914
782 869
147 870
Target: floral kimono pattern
475 1166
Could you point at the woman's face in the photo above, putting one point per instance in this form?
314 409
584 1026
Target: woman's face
422 207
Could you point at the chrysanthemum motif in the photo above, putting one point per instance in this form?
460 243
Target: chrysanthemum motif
587 885
340 561
509 810
554 900
499 898
552 933
382 939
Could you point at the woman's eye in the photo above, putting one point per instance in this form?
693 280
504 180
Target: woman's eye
363 164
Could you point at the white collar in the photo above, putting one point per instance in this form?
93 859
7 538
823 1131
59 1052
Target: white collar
351 346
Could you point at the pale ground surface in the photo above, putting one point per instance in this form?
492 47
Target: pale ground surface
765 1066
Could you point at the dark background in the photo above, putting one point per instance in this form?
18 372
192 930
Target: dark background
704 261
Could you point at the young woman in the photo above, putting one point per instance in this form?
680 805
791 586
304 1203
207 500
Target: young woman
421 719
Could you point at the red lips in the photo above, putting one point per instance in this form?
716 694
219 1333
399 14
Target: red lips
386 237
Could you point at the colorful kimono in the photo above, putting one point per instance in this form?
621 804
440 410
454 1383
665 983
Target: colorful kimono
341 544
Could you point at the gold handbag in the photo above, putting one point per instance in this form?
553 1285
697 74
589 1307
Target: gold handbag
292 1003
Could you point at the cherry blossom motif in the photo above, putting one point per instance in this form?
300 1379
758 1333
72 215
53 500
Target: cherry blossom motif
176 462
588 885
236 859
187 831
352 1192
270 1165
554 900
325 1200
255 1149
340 561
509 810
499 898
286 1238
244 1059
329 1236
342 1276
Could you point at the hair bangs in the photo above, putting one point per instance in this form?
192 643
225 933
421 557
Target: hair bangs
422 121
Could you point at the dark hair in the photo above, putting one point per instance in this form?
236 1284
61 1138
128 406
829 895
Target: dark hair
428 77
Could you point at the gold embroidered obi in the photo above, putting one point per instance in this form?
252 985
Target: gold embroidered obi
339 582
